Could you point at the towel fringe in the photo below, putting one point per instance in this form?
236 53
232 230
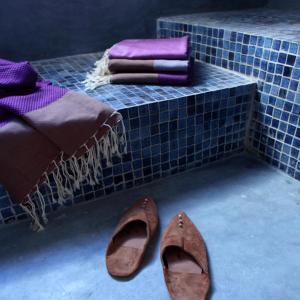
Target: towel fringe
41 202
69 174
48 184
30 208
100 75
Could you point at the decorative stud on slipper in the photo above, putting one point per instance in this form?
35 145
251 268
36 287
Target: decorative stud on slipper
129 242
184 260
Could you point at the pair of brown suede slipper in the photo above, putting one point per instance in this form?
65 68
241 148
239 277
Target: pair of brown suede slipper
182 250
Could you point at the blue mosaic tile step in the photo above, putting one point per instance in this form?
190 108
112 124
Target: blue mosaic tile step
271 23
197 125
70 72
264 45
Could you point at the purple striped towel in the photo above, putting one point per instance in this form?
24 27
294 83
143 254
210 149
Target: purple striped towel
144 61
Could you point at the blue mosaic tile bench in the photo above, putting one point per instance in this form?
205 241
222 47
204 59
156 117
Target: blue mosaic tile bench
70 72
170 129
264 45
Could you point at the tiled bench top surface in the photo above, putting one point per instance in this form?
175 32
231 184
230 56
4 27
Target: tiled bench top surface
262 22
70 72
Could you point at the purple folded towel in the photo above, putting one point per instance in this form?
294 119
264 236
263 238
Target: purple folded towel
148 61
16 75
149 78
174 48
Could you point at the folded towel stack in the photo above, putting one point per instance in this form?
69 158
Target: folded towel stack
144 61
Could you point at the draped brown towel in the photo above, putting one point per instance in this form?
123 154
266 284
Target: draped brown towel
52 136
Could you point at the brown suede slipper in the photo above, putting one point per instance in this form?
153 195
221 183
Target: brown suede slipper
131 237
184 260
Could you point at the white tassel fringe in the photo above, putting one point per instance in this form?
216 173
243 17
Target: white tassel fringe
100 75
69 174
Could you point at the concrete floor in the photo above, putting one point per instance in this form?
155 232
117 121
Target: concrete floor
248 213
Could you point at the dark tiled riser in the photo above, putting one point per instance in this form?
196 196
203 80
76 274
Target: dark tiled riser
275 126
166 138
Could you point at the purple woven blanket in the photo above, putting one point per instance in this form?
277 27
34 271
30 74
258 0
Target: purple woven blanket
52 136
144 61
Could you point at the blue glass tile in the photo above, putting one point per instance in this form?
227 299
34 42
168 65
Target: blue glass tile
294 48
267 42
253 40
291 60
276 44
282 58
285 46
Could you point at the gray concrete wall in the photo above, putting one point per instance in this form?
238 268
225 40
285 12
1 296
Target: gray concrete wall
35 29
